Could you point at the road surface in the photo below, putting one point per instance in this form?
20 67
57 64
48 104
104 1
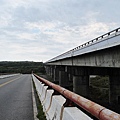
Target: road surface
16 98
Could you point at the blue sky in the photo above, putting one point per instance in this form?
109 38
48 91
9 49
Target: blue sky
38 30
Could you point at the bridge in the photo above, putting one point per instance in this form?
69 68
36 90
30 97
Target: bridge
100 56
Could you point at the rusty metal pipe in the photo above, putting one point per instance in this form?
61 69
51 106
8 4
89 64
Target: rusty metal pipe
93 108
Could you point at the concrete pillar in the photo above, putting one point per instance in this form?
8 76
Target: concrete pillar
114 93
52 72
64 79
48 70
81 85
81 81
70 77
56 74
69 70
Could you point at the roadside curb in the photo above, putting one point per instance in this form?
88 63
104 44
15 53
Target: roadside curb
35 112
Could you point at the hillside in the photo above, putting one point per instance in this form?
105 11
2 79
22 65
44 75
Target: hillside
21 67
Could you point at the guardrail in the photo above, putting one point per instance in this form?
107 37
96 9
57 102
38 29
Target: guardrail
93 108
5 76
70 53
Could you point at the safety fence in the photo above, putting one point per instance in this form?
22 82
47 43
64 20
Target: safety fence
58 103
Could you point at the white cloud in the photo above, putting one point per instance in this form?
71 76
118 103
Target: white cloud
42 25
40 29
27 36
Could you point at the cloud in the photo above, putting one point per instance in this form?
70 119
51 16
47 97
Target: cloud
41 29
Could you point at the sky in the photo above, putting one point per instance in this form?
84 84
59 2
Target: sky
38 30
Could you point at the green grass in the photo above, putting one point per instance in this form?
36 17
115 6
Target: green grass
99 89
100 81
41 114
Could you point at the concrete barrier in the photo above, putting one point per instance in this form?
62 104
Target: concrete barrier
37 83
47 102
73 113
55 111
43 95
53 104
39 90
39 86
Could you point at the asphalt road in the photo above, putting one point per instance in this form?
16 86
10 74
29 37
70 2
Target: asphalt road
16 98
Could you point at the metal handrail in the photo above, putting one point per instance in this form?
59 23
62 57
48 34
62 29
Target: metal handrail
100 38
93 108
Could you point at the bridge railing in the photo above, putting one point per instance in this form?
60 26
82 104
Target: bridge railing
69 53
93 108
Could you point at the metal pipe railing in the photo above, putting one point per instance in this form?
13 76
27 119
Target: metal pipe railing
93 108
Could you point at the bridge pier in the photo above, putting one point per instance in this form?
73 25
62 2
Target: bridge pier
69 70
52 72
64 79
48 70
56 74
81 82
81 85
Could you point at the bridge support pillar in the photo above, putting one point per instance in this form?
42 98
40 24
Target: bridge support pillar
64 79
81 82
52 71
81 85
70 77
114 93
69 70
48 70
56 74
